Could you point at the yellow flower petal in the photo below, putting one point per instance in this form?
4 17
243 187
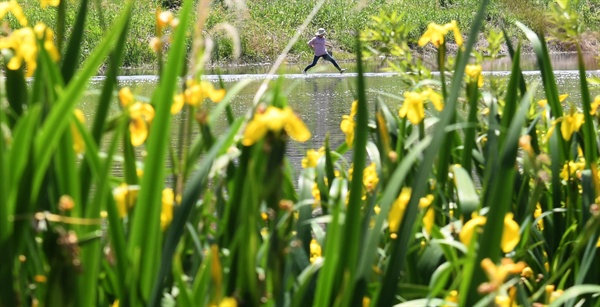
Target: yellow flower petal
144 111
457 36
125 197
315 250
228 302
217 95
398 208
78 143
594 105
429 219
275 120
138 130
347 126
45 3
255 130
510 235
435 98
312 156
413 108
125 96
178 102
467 231
166 213
562 97
370 178
296 129
571 124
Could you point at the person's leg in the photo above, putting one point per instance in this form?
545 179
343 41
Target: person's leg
327 57
314 62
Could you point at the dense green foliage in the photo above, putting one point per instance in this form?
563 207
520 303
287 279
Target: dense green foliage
423 204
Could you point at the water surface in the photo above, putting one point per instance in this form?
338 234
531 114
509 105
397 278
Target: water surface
323 96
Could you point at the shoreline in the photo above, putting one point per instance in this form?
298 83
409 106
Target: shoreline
589 47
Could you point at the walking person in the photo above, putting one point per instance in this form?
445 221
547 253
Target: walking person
319 45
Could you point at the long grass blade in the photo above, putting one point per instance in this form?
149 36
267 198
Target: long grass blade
589 131
333 247
73 52
352 237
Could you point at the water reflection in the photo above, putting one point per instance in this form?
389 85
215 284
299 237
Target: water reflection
320 98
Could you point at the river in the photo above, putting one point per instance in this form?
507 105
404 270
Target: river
322 97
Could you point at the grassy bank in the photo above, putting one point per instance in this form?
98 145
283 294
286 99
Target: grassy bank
264 27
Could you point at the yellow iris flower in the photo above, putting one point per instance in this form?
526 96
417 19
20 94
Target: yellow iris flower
166 213
14 8
348 125
435 98
413 107
429 217
125 96
542 103
537 213
510 235
125 197
178 102
571 124
435 34
23 44
228 302
312 157
44 32
195 93
451 298
140 115
594 106
316 194
370 178
551 294
78 144
275 120
572 169
473 73
397 210
45 3
498 274
315 250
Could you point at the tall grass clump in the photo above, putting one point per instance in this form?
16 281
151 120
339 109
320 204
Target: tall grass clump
451 193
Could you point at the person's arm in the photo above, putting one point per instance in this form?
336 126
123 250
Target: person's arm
310 43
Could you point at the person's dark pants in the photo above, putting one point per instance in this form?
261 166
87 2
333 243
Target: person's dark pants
325 57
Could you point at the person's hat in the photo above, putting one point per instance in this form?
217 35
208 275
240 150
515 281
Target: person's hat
321 31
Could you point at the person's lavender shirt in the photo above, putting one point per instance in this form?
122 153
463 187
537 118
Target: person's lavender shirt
318 44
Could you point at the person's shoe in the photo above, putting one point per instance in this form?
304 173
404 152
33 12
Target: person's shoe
342 70
304 72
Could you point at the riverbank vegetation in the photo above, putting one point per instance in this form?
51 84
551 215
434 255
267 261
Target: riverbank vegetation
456 191
264 27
